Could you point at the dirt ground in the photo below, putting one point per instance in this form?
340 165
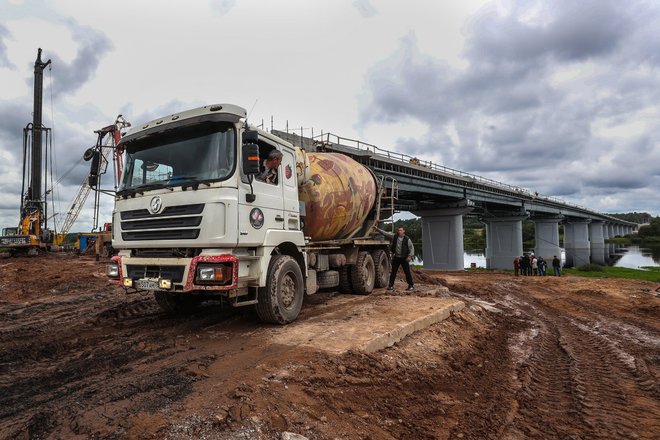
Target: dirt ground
527 358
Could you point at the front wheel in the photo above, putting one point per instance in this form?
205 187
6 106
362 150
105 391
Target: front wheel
281 300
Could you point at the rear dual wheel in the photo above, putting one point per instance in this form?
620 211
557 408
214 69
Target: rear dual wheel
363 274
382 268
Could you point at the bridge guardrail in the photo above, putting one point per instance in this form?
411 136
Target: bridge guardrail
406 158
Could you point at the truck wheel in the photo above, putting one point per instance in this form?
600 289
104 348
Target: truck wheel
281 300
107 251
327 279
363 274
175 303
345 279
382 263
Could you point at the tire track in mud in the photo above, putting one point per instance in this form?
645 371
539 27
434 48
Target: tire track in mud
577 384
117 353
581 371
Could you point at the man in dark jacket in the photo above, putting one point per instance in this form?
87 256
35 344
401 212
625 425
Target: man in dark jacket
556 266
524 265
403 252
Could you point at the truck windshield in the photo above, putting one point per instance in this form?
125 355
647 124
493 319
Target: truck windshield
182 156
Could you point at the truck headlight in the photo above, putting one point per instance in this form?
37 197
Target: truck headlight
112 270
214 274
127 282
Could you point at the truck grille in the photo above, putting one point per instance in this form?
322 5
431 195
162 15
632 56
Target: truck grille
174 273
174 223
169 211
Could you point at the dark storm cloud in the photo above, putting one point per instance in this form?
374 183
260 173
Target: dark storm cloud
92 46
4 60
569 31
14 116
518 106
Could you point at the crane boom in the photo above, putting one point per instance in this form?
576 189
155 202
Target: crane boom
76 207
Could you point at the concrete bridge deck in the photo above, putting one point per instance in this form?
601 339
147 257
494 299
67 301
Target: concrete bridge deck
441 196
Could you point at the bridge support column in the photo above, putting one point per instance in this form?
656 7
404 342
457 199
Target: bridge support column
442 237
576 242
503 240
546 232
610 231
597 242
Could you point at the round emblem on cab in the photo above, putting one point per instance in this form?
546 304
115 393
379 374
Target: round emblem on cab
256 218
155 205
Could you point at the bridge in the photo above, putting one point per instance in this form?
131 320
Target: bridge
441 196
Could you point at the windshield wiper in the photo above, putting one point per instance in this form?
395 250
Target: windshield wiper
142 188
125 192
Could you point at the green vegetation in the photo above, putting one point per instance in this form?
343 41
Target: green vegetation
650 232
474 233
635 217
648 274
591 268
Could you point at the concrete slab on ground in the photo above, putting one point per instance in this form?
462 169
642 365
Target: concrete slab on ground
367 324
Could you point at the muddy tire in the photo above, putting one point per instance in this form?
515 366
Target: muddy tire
281 300
327 279
363 274
107 251
345 279
175 303
382 265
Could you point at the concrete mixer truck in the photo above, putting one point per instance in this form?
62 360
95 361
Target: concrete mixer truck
193 222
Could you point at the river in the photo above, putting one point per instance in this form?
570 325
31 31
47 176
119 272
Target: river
633 257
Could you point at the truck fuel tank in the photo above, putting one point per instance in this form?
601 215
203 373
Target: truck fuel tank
338 194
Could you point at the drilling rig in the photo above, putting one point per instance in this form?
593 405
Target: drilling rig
32 232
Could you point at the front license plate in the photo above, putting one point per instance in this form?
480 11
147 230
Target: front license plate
147 284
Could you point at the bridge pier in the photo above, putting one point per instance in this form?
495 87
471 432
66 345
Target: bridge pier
597 242
576 242
503 240
442 237
546 232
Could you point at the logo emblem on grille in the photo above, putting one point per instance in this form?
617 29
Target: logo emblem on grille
155 205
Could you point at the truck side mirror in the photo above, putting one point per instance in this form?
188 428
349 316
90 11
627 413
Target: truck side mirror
250 155
95 157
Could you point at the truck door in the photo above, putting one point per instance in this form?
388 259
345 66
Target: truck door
266 212
290 191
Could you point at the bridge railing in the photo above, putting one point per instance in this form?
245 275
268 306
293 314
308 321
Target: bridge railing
330 138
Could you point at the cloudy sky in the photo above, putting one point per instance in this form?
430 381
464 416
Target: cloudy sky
559 96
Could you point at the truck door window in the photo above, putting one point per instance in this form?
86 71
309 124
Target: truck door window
265 176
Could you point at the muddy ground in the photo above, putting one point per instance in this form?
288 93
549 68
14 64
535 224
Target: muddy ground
527 358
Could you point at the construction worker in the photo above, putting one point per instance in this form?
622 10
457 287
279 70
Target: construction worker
403 252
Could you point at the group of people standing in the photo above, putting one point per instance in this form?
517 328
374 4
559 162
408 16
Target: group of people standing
530 265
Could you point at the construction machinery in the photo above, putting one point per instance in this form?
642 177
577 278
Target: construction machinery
195 221
105 152
32 232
